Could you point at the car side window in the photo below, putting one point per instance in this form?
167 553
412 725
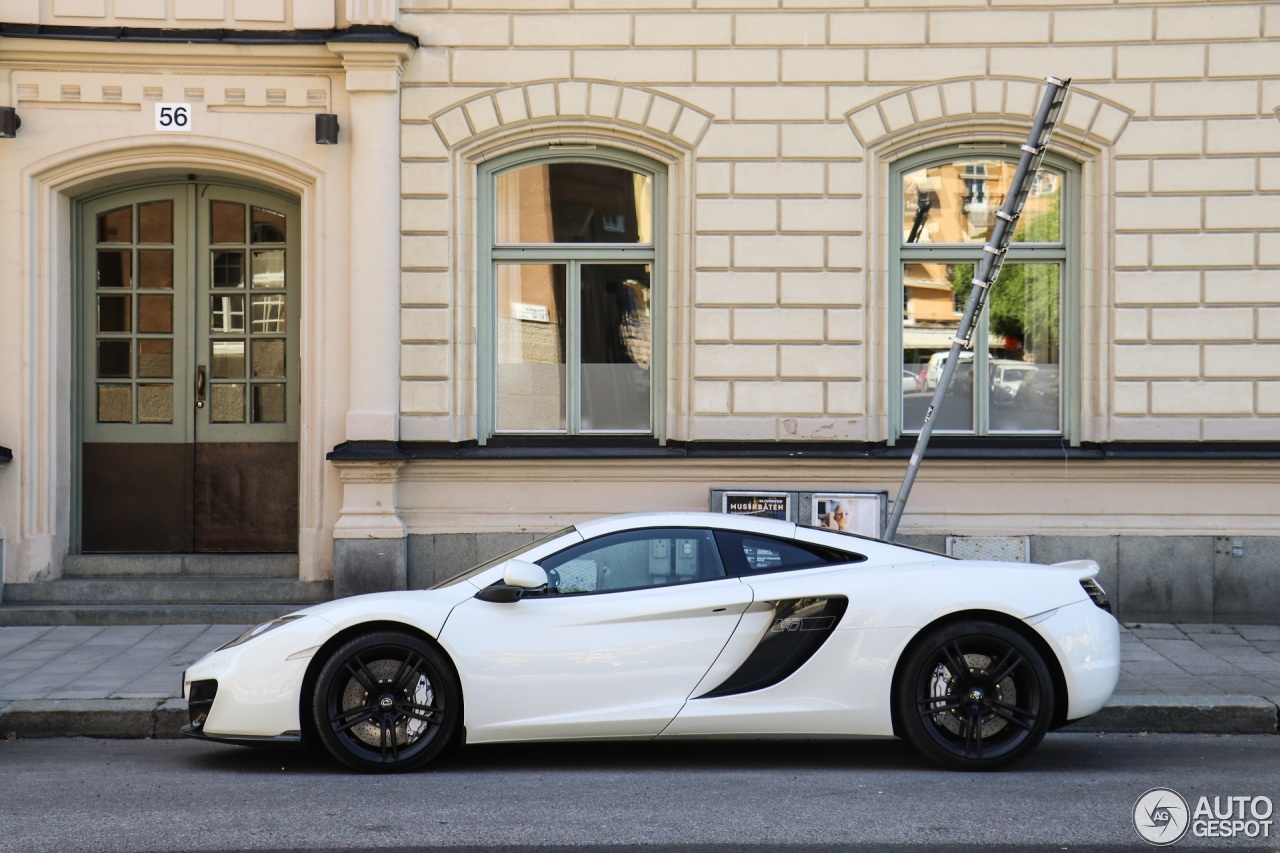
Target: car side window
634 559
751 554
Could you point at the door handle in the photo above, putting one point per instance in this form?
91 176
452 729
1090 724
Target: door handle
200 382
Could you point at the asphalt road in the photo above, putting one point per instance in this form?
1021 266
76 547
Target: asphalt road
1077 792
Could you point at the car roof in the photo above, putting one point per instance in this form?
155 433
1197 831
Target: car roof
635 520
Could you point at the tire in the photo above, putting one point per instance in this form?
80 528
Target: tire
386 703
974 696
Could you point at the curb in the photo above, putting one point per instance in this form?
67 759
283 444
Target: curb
97 718
1163 714
163 718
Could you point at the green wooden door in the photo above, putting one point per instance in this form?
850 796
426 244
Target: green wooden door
188 365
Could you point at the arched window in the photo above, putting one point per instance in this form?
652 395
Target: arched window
570 307
1019 376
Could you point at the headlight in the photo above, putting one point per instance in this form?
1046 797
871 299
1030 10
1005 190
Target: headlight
260 629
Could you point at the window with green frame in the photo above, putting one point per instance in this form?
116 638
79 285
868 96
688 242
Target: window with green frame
1018 377
570 296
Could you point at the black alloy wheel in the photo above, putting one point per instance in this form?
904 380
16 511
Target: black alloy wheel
975 695
386 703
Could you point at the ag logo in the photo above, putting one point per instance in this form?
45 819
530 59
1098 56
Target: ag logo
1161 816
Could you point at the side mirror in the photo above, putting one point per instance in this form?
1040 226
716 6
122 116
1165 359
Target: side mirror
520 577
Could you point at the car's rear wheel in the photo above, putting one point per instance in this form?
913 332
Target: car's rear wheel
386 702
975 695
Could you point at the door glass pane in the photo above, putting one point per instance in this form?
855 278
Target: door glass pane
269 314
155 314
155 222
226 313
228 269
268 226
957 202
228 222
155 268
155 404
574 203
531 348
934 295
268 358
155 358
115 404
616 344
268 404
114 358
1023 313
115 314
116 226
268 268
115 268
227 404
228 360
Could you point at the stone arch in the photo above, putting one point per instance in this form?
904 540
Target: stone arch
628 111
982 102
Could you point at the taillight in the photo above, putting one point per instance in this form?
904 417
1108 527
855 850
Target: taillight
1096 593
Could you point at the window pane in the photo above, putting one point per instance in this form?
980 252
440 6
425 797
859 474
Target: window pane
957 202
269 314
933 296
616 338
574 203
116 226
155 268
268 358
268 268
1025 348
114 358
155 222
155 359
228 222
634 559
228 269
268 404
531 348
115 404
226 314
268 226
115 314
227 404
155 314
115 269
155 404
228 360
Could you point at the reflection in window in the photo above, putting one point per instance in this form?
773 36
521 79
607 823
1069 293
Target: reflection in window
1010 381
574 203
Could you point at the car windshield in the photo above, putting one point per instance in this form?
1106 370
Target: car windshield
475 570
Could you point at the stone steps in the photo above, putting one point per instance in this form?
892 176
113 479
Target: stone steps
139 589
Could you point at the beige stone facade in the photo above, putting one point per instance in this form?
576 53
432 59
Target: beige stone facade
778 127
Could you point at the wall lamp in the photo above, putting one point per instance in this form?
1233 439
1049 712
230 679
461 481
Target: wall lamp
326 129
9 122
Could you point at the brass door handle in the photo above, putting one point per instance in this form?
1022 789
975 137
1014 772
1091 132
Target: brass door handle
200 383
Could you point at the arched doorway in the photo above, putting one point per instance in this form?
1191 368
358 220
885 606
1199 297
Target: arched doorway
187 397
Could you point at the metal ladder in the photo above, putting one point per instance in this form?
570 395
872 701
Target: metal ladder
985 277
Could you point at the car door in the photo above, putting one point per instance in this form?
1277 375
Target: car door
628 626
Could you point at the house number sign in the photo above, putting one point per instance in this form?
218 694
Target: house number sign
170 117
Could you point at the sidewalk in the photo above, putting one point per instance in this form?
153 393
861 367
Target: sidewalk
125 681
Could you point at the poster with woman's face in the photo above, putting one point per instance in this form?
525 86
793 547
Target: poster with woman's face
848 513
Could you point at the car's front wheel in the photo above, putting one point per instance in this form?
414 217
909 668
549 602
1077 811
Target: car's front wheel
386 702
975 695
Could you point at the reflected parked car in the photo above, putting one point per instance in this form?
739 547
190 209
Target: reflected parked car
1006 378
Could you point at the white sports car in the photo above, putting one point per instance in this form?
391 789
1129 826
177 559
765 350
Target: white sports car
678 625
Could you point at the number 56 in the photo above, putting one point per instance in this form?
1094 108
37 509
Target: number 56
173 116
